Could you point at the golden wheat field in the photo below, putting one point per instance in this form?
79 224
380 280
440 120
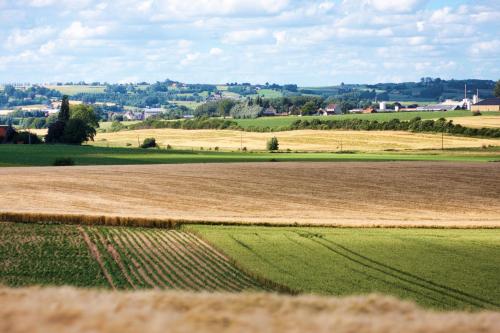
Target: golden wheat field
351 194
303 140
56 309
483 121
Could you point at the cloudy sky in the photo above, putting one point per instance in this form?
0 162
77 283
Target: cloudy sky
216 41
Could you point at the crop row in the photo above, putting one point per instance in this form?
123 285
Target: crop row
168 259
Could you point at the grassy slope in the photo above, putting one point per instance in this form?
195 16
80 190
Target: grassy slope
40 155
277 122
445 269
44 254
76 89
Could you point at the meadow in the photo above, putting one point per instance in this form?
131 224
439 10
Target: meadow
440 194
77 89
46 155
277 122
443 269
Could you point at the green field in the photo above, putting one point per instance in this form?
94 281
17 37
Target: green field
44 155
77 89
277 122
439 268
43 254
118 258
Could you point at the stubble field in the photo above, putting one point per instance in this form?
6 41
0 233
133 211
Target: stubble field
301 140
349 194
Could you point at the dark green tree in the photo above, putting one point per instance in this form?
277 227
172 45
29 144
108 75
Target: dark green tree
496 92
64 113
273 144
77 131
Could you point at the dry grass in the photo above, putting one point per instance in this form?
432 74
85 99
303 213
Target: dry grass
303 140
348 194
71 310
483 121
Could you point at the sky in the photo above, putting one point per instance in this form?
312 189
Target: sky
310 43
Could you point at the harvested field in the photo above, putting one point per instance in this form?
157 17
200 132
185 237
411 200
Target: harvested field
483 121
303 140
349 194
117 258
26 310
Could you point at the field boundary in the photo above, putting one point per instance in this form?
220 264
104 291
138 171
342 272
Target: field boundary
168 223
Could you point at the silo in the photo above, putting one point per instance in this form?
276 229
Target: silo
383 106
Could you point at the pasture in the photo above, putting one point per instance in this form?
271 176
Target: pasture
443 269
300 140
77 89
116 258
441 194
45 155
277 122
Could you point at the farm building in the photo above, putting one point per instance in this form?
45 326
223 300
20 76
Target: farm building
330 110
447 105
4 132
489 104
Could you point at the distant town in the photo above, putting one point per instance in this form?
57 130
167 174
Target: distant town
35 105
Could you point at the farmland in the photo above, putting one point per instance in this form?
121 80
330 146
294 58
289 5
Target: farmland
445 269
77 89
300 140
117 258
348 194
45 155
277 122
26 310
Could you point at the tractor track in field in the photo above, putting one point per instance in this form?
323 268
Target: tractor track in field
134 258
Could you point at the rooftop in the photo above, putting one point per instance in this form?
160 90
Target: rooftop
489 101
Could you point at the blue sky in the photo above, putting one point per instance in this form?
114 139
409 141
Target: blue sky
310 43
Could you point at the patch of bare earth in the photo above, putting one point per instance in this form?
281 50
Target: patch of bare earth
71 310
351 194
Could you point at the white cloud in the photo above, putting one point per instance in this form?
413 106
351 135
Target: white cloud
244 36
29 36
215 51
78 31
398 6
190 58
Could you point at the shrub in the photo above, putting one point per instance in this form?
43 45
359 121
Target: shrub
169 147
149 143
26 138
216 148
273 144
128 144
476 113
63 161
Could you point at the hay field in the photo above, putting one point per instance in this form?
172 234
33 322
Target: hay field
351 194
483 121
303 140
26 310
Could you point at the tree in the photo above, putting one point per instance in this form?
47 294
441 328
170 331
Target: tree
77 131
85 113
496 92
273 144
224 106
55 132
309 108
64 111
